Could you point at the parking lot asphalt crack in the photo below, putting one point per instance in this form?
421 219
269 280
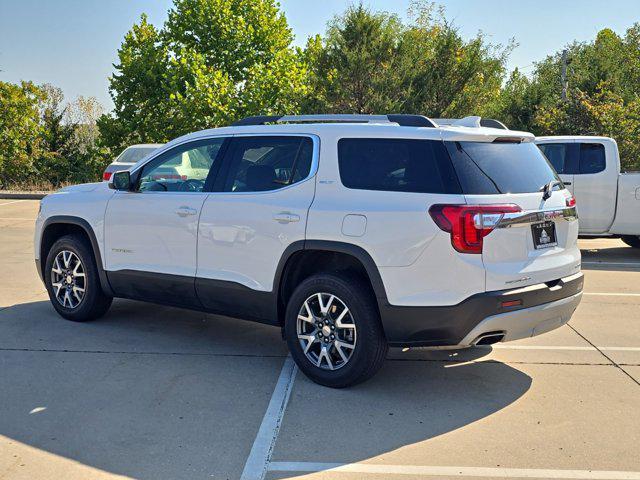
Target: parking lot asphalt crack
124 352
615 364
511 362
250 355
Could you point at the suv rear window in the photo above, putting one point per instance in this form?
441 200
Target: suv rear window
397 165
489 168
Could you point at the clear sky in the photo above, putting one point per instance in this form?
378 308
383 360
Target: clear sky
73 43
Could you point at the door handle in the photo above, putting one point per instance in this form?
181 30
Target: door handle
286 217
186 211
567 183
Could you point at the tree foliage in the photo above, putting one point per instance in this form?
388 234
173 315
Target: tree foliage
45 142
370 62
212 62
603 96
20 130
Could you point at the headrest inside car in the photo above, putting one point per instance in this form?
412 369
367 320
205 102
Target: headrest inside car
260 177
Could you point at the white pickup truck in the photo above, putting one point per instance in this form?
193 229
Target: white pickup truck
608 201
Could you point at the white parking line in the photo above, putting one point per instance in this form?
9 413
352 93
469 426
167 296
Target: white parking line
612 294
257 463
13 201
420 470
561 347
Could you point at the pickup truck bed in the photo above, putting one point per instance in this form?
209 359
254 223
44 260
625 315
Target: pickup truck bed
627 220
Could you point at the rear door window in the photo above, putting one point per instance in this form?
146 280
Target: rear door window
592 158
399 165
492 168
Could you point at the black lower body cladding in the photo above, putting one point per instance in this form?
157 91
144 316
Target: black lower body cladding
448 325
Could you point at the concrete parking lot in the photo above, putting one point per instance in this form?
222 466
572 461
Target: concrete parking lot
160 393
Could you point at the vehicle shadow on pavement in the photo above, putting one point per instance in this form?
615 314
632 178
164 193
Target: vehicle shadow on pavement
618 258
415 397
153 392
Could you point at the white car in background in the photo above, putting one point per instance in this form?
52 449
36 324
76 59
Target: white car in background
608 200
129 157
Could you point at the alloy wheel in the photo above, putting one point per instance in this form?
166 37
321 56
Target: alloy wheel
68 279
326 331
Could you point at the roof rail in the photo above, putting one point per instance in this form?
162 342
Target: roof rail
404 120
471 122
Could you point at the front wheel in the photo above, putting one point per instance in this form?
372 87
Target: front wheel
631 240
71 278
333 330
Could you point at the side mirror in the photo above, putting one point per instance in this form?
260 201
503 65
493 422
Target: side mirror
121 181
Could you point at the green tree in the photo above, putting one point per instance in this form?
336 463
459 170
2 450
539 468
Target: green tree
20 131
138 89
69 151
449 76
52 163
603 95
213 61
370 62
517 102
605 113
354 69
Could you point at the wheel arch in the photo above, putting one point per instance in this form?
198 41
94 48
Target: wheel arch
56 227
323 255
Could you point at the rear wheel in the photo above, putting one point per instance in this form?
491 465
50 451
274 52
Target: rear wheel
631 240
71 278
333 330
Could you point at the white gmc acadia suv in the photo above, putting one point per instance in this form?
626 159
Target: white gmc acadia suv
352 233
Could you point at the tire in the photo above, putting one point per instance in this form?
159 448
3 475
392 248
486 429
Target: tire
367 338
75 304
631 240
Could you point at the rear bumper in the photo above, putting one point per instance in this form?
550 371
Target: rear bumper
524 323
541 308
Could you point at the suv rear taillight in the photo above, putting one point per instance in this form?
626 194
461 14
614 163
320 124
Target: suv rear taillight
106 176
571 201
469 224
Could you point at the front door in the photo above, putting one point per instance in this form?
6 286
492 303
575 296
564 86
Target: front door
246 227
151 232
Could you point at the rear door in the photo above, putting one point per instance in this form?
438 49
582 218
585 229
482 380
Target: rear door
535 245
260 209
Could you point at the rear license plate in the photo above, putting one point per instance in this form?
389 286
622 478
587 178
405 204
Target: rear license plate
544 235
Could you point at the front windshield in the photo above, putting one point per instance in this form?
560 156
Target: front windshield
134 154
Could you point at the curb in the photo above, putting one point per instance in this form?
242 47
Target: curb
23 195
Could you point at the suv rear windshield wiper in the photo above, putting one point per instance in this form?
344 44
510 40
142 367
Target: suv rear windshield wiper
548 188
